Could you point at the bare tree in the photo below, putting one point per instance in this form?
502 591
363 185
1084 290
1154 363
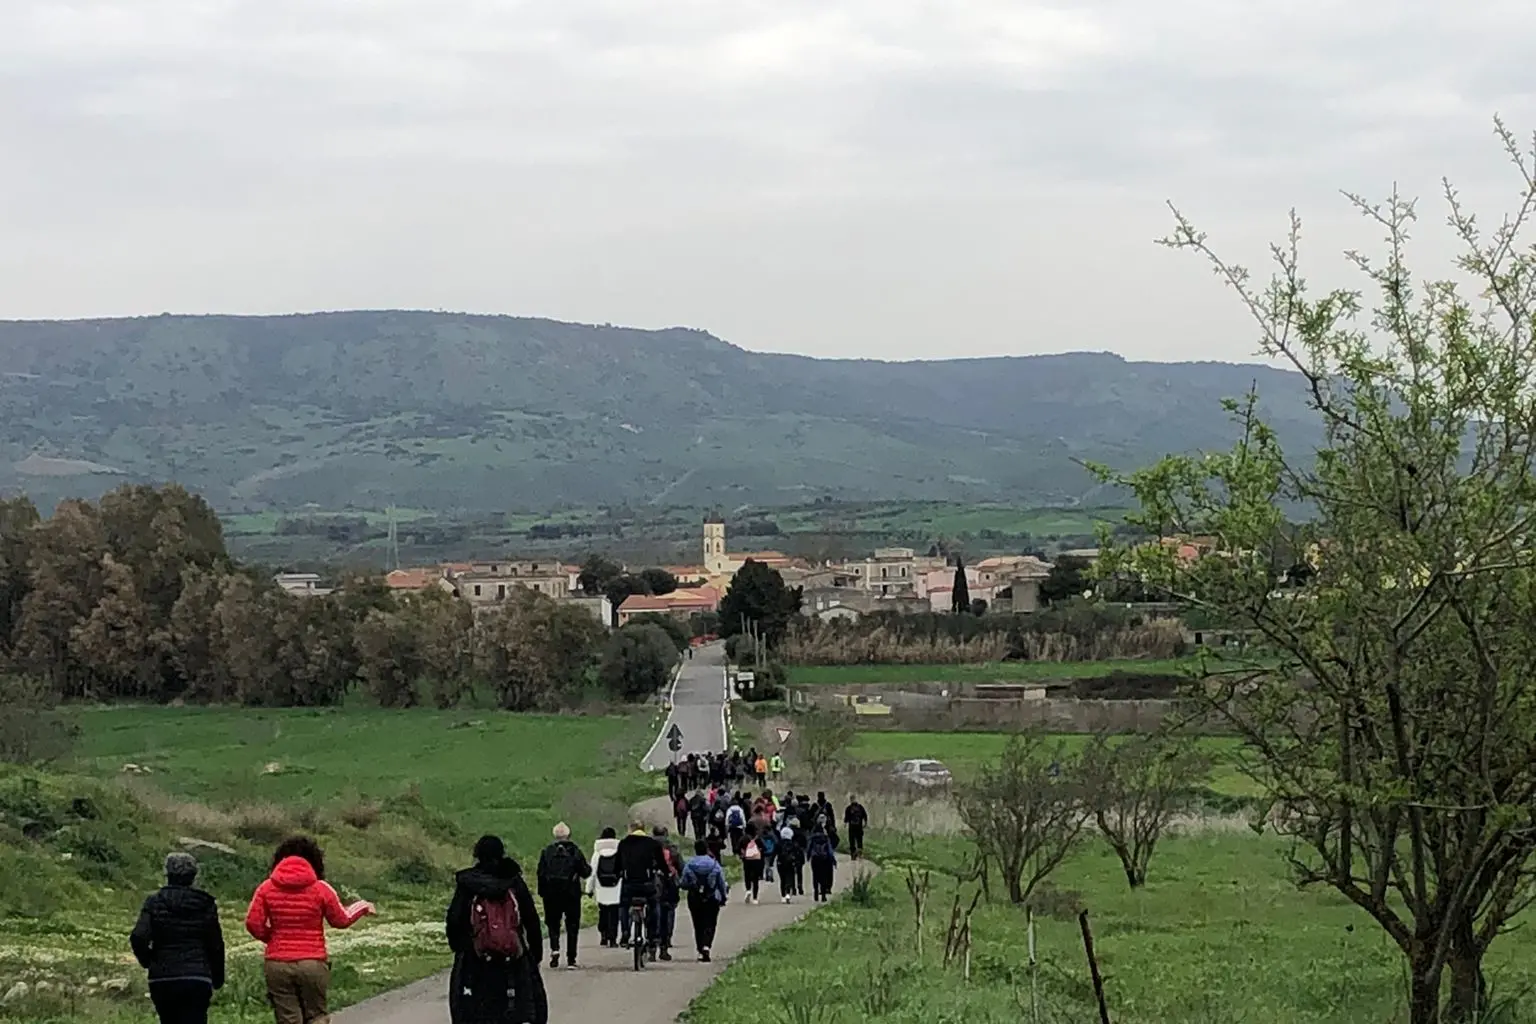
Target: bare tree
824 737
1136 786
1025 812
1396 736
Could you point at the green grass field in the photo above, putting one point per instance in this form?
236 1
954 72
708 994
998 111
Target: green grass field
1219 935
949 519
964 752
396 798
987 672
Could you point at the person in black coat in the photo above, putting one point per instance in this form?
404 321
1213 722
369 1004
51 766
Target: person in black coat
494 991
177 939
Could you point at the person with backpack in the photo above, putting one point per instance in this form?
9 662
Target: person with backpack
668 895
698 815
776 768
787 854
704 881
605 885
493 929
672 780
288 915
822 856
680 813
760 769
751 864
562 870
735 825
177 939
856 818
768 839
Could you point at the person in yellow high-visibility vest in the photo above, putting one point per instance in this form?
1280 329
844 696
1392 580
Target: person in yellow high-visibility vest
776 767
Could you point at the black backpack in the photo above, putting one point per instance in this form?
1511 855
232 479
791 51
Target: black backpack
564 864
608 870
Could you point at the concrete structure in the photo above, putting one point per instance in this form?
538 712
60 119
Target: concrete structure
596 605
718 562
487 582
301 584
681 604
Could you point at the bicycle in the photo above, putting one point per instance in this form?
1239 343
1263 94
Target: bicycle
637 908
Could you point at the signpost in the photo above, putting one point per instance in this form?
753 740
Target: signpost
674 738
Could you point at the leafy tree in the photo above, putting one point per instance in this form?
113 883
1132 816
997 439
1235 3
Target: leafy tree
1395 734
597 574
1068 578
637 661
18 516
1135 787
668 625
960 599
534 651
978 608
1025 811
389 658
757 594
658 581
116 646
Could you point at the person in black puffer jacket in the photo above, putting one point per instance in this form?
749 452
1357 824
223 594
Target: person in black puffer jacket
179 942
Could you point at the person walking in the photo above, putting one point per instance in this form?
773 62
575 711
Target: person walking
681 813
288 915
562 870
605 884
787 854
698 814
672 780
823 859
668 895
177 939
751 864
497 942
760 769
704 881
776 767
736 825
642 862
856 818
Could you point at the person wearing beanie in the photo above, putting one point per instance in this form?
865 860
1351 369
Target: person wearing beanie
562 870
177 939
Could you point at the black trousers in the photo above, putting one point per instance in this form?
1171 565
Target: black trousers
563 910
821 877
855 840
493 992
705 913
608 923
181 1002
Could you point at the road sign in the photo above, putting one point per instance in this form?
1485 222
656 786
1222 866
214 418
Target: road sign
783 735
745 677
674 734
675 744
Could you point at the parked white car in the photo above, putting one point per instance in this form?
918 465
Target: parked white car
924 772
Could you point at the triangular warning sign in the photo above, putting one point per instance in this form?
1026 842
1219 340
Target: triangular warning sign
783 735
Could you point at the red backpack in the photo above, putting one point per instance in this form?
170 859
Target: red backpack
497 928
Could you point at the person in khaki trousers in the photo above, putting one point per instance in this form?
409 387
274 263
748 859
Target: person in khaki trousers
288 915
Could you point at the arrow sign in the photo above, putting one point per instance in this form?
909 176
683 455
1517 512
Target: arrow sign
674 734
783 735
674 744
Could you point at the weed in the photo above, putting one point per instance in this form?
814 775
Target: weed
362 815
861 891
264 823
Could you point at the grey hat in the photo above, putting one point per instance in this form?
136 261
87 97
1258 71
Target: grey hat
180 866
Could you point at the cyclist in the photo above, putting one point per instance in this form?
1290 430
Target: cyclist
642 863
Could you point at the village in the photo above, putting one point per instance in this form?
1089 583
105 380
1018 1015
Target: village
889 579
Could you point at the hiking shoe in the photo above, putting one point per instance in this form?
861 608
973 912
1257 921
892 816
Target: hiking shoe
786 901
704 956
570 965
623 943
666 954
554 962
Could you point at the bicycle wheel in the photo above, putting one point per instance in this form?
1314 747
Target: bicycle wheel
637 930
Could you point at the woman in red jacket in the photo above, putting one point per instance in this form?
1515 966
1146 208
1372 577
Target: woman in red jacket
288 914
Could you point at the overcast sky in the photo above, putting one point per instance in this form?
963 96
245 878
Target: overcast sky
886 178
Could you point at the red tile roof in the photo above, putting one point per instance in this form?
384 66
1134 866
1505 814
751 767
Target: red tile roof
694 598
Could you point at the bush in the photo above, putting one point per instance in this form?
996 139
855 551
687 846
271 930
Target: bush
637 661
267 824
361 815
33 730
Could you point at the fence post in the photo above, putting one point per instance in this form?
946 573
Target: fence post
1093 967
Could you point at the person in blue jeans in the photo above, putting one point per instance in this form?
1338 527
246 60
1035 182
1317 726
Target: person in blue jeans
704 882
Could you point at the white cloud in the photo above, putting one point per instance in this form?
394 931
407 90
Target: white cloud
870 177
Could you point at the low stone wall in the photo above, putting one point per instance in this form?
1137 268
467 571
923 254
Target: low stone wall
1051 714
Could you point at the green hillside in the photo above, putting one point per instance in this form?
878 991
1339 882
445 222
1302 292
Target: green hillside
451 412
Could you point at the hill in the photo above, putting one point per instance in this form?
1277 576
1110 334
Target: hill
450 412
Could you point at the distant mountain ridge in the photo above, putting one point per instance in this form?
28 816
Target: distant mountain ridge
450 411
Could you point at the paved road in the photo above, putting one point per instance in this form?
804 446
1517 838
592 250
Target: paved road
698 708
607 988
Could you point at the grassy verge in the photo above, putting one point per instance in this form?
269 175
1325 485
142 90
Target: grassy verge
988 672
1219 934
395 798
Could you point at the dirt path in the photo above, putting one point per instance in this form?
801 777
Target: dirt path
607 988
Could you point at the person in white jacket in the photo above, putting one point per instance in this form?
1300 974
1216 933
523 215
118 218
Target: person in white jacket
605 883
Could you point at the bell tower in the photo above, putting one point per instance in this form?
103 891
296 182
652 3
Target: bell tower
714 545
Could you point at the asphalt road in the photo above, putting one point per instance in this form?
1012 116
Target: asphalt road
698 708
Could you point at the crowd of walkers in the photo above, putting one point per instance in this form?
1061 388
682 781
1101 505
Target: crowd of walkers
734 769
494 926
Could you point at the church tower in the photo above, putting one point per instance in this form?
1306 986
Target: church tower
714 546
